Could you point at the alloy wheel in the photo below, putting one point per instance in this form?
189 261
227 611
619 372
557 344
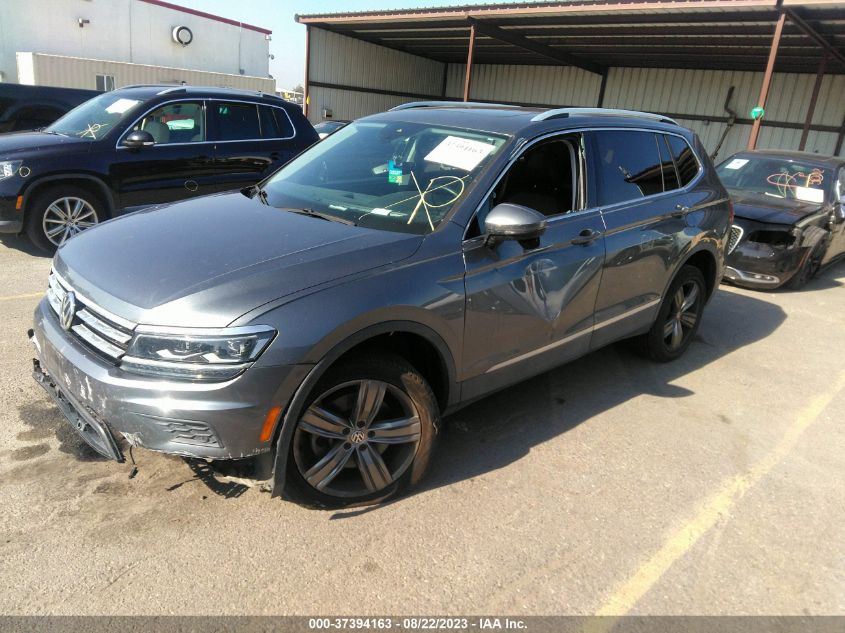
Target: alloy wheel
683 315
66 217
357 438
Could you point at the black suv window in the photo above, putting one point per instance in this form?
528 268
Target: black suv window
237 121
684 159
628 165
274 123
182 122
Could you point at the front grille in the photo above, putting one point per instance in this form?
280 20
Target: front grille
98 329
733 240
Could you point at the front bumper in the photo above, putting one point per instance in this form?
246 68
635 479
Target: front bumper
206 420
758 264
11 219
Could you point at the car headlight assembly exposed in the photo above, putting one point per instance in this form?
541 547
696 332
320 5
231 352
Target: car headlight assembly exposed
9 168
195 354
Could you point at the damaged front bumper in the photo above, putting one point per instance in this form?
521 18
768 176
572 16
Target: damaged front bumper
760 264
205 420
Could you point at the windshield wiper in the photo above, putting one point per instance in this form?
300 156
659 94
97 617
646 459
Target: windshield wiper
316 214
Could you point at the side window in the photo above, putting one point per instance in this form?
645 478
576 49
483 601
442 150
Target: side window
544 178
670 174
548 178
685 160
628 166
182 122
274 123
236 121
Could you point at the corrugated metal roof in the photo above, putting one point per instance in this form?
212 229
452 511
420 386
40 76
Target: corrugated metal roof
716 34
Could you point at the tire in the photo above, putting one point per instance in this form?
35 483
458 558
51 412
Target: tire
57 206
336 456
663 342
809 267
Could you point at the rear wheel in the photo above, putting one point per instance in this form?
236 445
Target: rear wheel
678 318
366 435
59 212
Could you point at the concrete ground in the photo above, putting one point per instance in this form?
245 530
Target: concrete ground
712 485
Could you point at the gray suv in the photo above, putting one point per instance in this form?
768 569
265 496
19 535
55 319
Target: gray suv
323 321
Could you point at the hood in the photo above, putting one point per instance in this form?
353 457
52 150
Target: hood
15 143
771 210
207 261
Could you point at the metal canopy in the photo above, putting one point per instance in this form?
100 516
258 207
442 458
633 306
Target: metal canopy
597 34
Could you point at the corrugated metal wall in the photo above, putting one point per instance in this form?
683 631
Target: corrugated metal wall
343 60
703 92
564 85
337 59
78 72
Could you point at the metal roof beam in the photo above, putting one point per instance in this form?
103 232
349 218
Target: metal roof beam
524 43
805 26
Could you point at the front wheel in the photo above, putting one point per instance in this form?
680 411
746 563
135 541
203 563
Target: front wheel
678 318
60 212
811 265
366 434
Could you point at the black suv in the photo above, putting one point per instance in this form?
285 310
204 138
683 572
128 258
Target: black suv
140 146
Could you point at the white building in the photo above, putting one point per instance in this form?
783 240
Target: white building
104 44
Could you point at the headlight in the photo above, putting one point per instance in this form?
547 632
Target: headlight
195 354
9 168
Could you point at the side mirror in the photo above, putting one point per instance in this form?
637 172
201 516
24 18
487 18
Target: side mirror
508 221
139 138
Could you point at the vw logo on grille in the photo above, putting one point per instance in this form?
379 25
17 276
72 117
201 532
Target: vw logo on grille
68 309
357 437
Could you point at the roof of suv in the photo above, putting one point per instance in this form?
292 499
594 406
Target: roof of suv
148 91
512 119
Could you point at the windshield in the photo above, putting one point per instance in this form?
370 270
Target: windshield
393 176
95 118
777 177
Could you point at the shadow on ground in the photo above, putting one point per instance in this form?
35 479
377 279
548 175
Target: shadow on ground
21 243
502 428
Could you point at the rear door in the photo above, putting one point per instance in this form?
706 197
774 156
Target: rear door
529 306
637 188
180 165
251 141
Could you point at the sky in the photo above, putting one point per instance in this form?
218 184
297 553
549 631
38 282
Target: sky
288 43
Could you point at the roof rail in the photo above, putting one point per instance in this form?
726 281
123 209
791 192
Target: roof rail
168 91
560 113
437 104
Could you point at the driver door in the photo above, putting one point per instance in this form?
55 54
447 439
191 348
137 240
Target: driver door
180 165
529 306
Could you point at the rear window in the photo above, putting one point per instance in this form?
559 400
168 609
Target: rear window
685 160
237 121
274 123
628 165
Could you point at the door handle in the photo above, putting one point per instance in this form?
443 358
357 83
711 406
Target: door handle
587 236
274 156
680 211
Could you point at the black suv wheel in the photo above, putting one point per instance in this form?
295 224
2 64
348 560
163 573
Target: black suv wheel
59 212
366 434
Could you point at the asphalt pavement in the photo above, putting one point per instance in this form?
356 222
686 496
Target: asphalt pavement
711 485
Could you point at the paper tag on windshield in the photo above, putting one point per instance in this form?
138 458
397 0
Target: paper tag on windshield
460 152
808 194
736 163
121 105
380 211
